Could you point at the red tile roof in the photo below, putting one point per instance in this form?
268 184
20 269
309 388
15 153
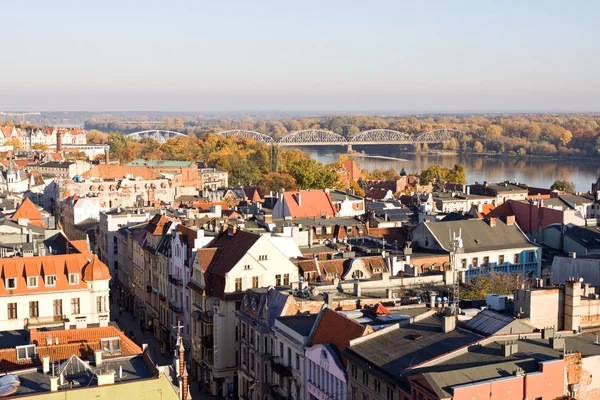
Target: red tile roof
205 257
81 342
337 329
61 265
29 211
158 225
309 203
379 309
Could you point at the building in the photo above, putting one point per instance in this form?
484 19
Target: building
487 246
304 204
68 290
347 204
181 173
502 191
83 363
213 178
232 263
60 169
110 221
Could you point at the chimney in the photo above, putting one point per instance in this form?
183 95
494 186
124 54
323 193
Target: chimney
98 357
509 348
510 220
468 190
46 364
54 383
299 199
59 135
491 221
572 305
449 321
184 388
106 154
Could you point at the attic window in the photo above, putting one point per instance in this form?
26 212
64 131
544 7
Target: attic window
111 345
50 280
26 352
11 283
73 279
32 281
247 266
262 257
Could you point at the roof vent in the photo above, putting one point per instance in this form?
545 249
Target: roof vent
415 336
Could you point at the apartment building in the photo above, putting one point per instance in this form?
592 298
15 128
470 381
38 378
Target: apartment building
69 290
213 178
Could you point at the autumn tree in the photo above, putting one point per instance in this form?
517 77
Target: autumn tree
40 146
96 137
275 181
14 142
563 186
311 174
494 283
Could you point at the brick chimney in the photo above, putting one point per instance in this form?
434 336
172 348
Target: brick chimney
59 135
181 360
184 383
491 222
106 154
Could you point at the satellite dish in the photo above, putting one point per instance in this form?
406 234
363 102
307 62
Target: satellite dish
581 280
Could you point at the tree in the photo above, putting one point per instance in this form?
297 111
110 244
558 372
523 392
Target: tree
8 122
311 174
79 155
563 186
243 172
14 142
565 137
40 146
356 188
457 174
96 137
275 181
494 283
478 147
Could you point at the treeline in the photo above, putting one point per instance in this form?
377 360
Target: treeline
527 134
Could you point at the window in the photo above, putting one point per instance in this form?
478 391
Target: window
34 310
486 261
73 279
277 280
474 262
365 378
32 281
377 385
247 266
238 284
365 396
255 281
516 259
354 370
289 356
501 259
75 306
99 304
390 394
354 393
111 345
262 258
11 283
297 361
12 310
531 256
463 263
26 352
57 307
286 279
50 280
280 350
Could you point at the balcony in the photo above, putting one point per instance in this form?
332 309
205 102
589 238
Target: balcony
207 341
176 309
175 281
277 394
207 317
163 298
54 320
279 368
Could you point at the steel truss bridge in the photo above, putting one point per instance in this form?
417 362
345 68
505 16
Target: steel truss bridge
319 137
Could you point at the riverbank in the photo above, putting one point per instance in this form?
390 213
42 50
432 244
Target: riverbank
360 155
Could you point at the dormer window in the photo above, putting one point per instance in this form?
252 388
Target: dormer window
32 281
50 280
26 352
73 279
111 345
247 266
262 257
11 283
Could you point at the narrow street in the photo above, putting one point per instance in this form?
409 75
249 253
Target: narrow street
127 322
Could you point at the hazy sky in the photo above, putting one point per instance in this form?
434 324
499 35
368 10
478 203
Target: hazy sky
300 55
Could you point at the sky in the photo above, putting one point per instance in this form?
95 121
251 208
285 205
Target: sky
400 56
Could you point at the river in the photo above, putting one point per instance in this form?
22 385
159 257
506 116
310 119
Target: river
535 172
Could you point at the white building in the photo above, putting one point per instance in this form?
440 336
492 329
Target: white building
110 223
61 290
232 263
347 204
487 246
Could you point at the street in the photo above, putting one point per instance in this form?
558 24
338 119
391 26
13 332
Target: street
127 322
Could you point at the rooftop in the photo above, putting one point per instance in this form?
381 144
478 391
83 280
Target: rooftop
302 324
140 162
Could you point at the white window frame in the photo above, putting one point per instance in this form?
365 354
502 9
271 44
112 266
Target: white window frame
108 345
49 284
14 286
36 281
74 281
30 352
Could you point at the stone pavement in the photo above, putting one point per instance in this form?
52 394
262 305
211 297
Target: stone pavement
127 322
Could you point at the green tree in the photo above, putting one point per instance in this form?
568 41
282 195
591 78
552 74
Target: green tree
40 146
311 174
243 172
457 174
563 185
494 283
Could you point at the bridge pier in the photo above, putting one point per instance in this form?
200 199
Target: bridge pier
349 147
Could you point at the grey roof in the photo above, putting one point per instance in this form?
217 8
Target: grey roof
489 322
160 163
588 237
301 323
478 235
577 200
481 363
338 195
395 350
556 202
53 164
400 214
314 222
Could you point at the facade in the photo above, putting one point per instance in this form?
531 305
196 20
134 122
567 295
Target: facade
487 246
110 221
213 178
49 136
76 211
59 290
347 204
239 260
502 192
326 376
183 173
60 169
